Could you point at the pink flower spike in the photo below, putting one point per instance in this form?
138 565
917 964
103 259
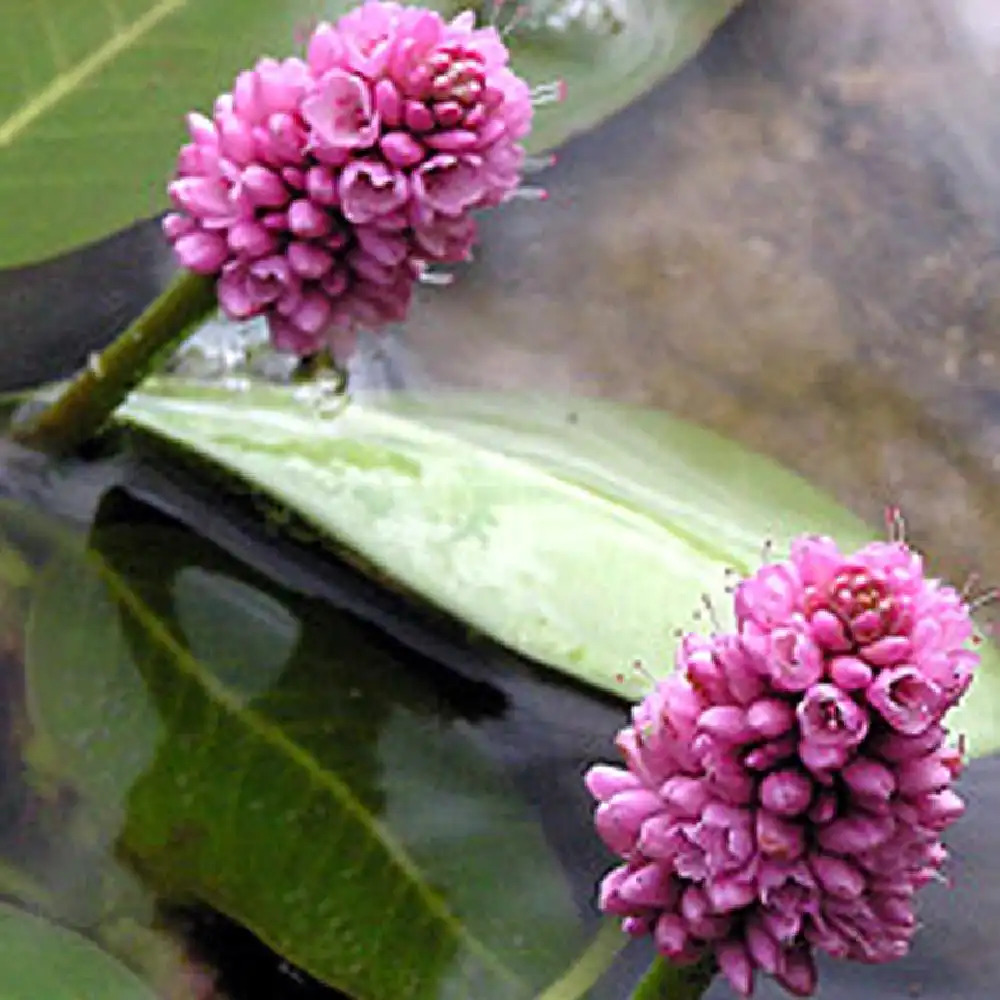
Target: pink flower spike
793 778
925 774
395 120
837 876
888 652
727 723
778 838
828 631
620 818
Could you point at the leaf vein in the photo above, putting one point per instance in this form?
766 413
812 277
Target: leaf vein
65 82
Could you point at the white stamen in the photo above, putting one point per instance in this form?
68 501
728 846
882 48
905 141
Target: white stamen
983 599
896 524
548 93
439 279
766 550
527 193
536 164
706 600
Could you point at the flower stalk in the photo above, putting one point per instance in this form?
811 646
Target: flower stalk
666 981
84 405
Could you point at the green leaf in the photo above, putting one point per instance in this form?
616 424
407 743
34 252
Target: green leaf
577 532
93 94
40 960
293 775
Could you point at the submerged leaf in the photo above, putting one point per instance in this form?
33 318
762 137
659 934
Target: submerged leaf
41 961
92 95
294 775
577 532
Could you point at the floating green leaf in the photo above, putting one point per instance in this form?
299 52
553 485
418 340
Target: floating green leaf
577 532
92 95
40 960
307 783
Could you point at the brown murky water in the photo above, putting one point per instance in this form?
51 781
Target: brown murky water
796 242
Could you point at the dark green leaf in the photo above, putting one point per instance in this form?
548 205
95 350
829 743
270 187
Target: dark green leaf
92 95
578 532
288 772
40 961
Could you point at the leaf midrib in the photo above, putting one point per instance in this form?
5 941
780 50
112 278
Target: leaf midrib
65 82
272 735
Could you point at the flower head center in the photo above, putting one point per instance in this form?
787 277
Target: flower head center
458 75
862 600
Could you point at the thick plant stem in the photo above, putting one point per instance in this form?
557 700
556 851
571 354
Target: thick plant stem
85 403
664 981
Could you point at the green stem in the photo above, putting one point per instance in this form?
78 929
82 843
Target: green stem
664 981
84 405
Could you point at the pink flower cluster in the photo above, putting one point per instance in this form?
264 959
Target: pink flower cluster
322 187
787 785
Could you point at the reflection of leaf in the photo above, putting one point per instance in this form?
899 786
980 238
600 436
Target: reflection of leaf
40 961
315 812
578 532
92 95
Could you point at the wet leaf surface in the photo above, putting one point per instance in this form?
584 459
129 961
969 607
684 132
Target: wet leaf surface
575 532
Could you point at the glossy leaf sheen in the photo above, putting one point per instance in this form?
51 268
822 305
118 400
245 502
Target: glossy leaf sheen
93 95
294 777
577 532
41 961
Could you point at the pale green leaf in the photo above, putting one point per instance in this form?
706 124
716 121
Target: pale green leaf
579 533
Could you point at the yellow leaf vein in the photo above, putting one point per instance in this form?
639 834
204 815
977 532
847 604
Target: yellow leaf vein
63 84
